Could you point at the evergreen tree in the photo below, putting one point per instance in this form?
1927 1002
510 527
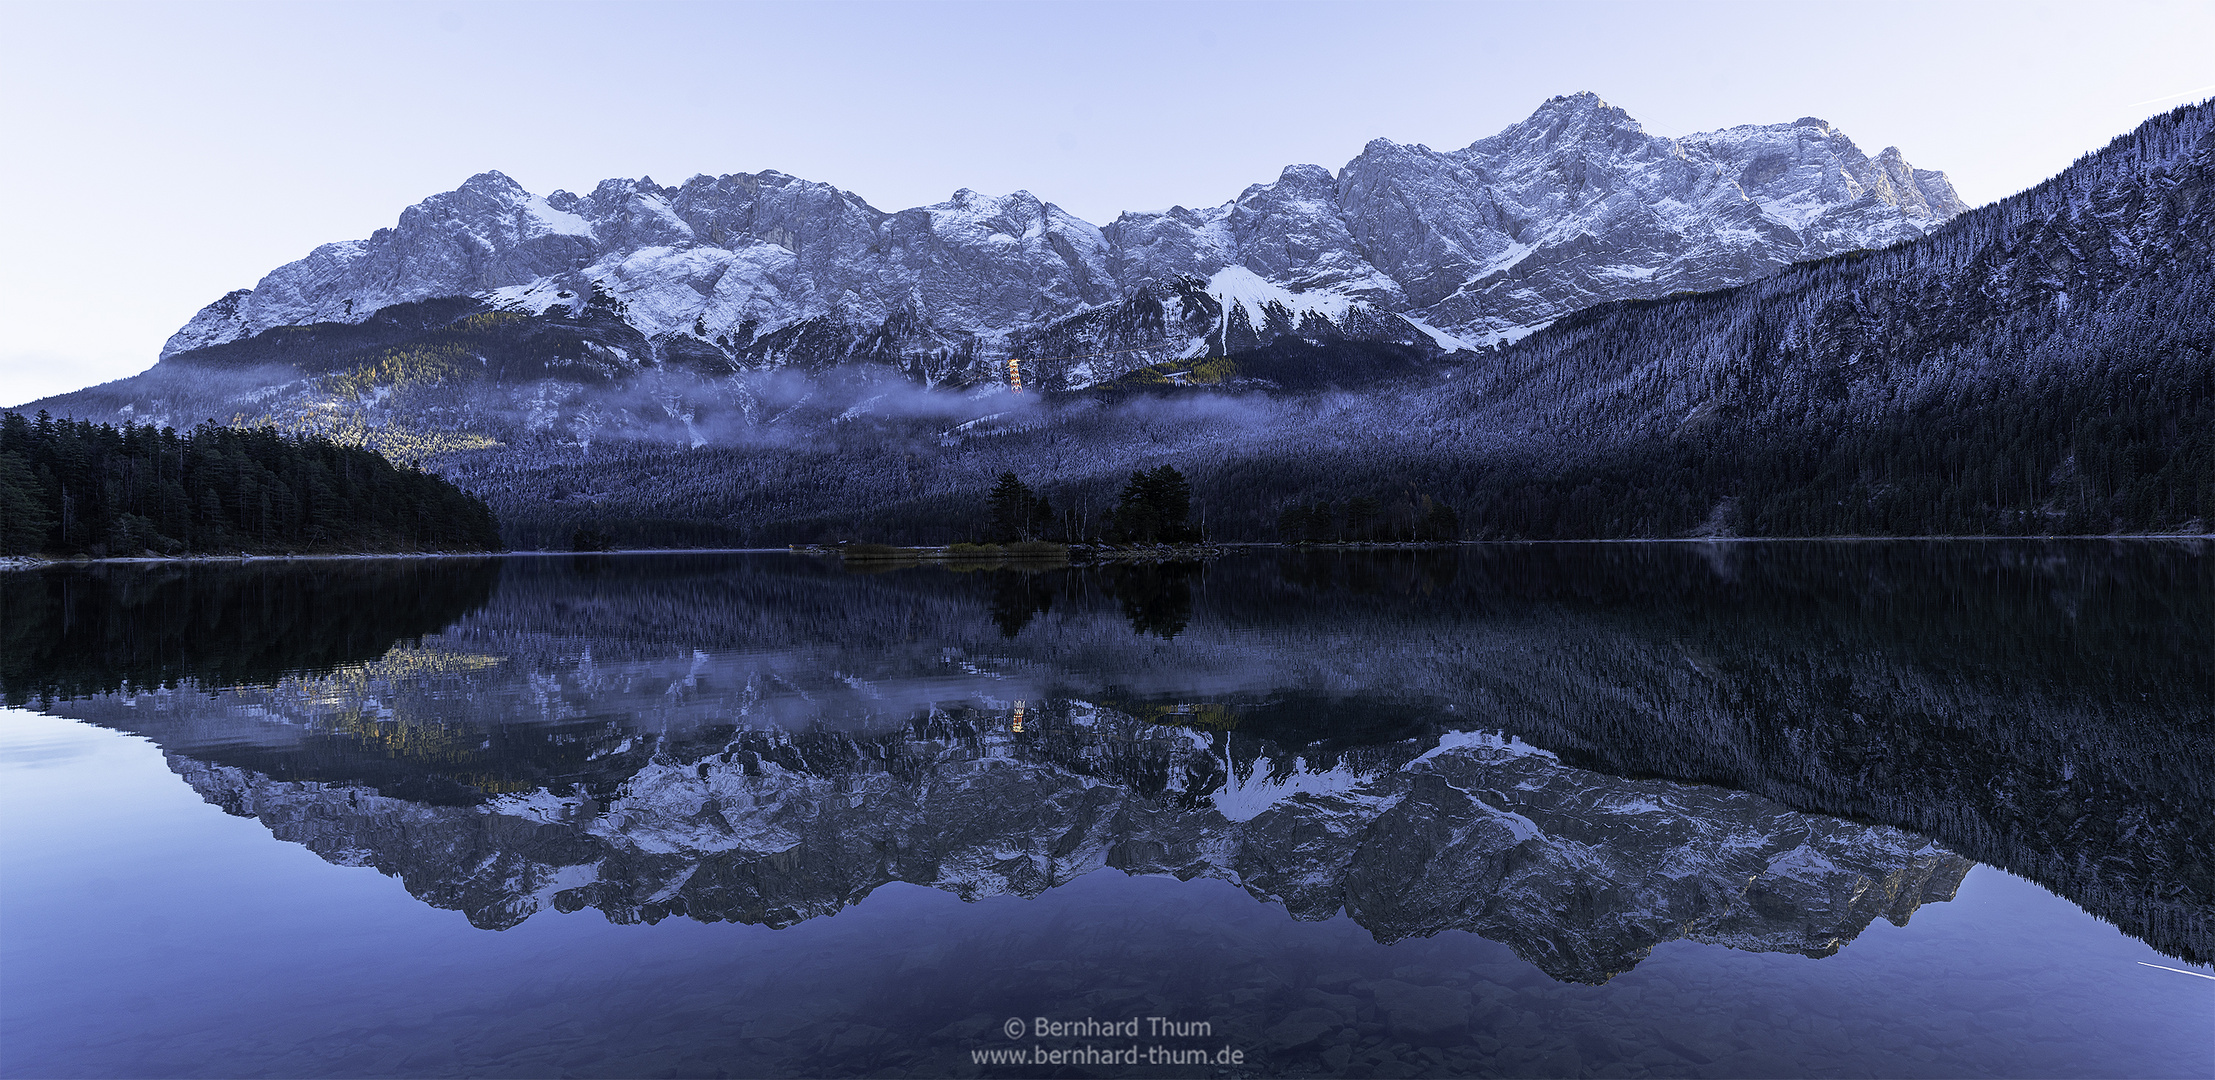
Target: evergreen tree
1172 500
24 520
1361 513
1042 524
1013 510
1439 522
1156 507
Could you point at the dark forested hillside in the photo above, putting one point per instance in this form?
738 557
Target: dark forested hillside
2044 364
71 488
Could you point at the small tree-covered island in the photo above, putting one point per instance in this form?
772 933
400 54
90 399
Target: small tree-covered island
1155 507
81 489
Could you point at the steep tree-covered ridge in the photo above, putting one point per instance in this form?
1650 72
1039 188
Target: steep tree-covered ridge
2046 363
74 488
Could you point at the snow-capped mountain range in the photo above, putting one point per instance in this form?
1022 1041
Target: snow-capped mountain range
1577 204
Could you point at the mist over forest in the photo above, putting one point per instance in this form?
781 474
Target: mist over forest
2043 365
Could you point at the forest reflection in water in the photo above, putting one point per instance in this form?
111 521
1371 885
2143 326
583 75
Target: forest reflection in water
1578 749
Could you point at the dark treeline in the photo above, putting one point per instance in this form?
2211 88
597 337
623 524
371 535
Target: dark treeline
1395 518
69 632
74 488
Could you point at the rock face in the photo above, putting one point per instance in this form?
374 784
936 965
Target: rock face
1580 873
1578 205
1575 205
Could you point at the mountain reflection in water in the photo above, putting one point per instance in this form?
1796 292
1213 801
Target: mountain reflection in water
1580 751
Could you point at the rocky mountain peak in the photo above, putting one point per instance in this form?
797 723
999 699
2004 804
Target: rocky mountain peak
1576 204
495 183
1575 120
1583 106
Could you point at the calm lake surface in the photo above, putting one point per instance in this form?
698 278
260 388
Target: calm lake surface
1825 809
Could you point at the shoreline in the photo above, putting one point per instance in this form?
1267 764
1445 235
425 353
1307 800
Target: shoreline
1179 553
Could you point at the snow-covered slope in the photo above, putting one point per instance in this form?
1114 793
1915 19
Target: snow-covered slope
1437 248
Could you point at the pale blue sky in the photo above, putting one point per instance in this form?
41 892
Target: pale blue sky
161 155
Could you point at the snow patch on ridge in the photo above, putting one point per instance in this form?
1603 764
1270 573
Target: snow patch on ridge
1444 340
557 222
536 298
1236 285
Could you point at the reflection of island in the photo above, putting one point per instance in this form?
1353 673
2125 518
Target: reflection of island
1579 872
1017 596
1155 596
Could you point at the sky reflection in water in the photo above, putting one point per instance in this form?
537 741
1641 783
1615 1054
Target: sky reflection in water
669 740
